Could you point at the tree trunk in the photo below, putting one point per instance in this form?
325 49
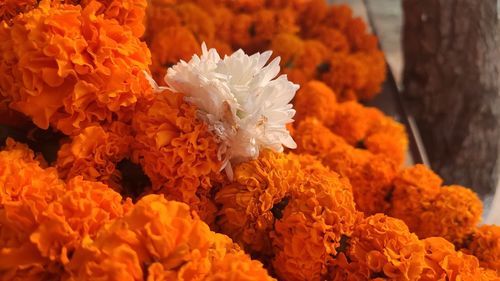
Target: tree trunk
451 79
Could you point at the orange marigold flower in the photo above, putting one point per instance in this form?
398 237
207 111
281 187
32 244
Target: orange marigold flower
296 4
11 8
82 211
356 75
247 5
94 153
346 75
286 21
353 121
159 15
297 75
414 190
176 150
315 99
161 240
489 275
42 221
380 247
369 128
430 210
259 29
197 21
26 190
169 46
418 176
163 2
374 62
246 213
444 263
333 38
264 29
290 209
312 14
130 13
453 214
243 31
223 49
312 137
222 18
287 46
237 267
370 175
338 16
90 69
318 216
359 40
485 245
312 61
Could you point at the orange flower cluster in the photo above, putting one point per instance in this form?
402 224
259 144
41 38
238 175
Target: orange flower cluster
358 142
177 152
94 153
362 127
43 220
444 263
79 67
84 230
430 210
162 240
314 40
370 174
65 66
382 248
290 210
485 245
299 218
129 12
11 8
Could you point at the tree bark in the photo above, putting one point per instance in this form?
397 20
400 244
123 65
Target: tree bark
451 79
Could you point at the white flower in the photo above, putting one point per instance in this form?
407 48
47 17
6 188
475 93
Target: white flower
246 106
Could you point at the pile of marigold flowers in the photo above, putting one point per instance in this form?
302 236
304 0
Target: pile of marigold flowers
313 39
160 140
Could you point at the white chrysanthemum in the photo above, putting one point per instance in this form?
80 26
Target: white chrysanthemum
245 105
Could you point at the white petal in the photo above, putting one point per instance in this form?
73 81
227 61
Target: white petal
245 104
